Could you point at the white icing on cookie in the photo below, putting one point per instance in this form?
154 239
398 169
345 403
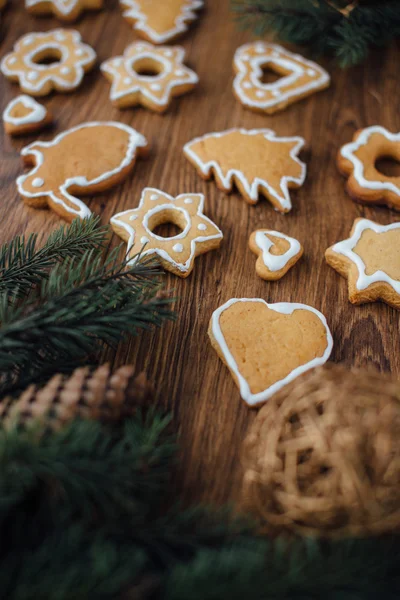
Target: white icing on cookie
251 189
276 262
346 248
37 111
33 76
249 75
136 140
286 308
131 10
65 7
148 86
348 151
167 203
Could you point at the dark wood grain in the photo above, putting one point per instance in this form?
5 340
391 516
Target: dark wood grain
189 377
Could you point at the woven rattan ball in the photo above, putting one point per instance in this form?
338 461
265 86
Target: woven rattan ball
323 456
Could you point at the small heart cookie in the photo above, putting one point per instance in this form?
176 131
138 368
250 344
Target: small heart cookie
276 252
25 115
265 346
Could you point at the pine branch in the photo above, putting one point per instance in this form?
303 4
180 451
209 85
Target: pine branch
83 305
343 29
22 265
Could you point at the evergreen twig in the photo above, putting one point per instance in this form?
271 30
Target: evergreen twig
83 304
23 266
340 28
84 515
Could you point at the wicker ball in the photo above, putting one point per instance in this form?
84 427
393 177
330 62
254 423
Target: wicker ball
323 456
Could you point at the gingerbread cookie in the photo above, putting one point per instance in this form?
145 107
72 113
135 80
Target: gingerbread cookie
265 346
370 260
72 59
276 252
357 160
299 77
132 86
24 115
84 160
176 254
66 10
160 22
256 160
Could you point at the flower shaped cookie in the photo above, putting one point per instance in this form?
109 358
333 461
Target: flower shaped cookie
28 63
148 76
177 253
357 160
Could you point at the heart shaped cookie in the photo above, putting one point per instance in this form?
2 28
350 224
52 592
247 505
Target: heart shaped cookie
265 346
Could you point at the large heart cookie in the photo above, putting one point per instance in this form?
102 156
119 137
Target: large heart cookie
265 346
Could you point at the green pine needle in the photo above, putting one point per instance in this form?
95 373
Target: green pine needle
83 304
322 27
23 266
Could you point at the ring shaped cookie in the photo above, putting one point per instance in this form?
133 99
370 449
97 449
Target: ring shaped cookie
177 253
265 346
276 252
160 22
358 161
299 77
130 86
84 160
71 58
370 260
66 10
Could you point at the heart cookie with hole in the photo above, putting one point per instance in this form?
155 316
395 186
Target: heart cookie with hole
25 115
295 77
197 233
358 161
265 346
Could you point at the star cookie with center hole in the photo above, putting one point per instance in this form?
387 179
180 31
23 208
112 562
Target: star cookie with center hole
25 115
177 253
276 252
370 260
29 62
358 160
149 76
255 160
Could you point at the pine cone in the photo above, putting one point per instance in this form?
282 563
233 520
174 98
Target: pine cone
88 394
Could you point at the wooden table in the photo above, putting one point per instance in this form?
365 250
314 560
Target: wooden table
178 358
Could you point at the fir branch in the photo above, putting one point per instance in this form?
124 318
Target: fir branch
22 265
83 305
343 29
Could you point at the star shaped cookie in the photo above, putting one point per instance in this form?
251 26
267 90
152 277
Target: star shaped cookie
370 260
256 161
177 253
148 76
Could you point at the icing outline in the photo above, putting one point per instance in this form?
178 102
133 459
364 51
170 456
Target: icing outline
347 246
38 111
253 189
286 308
182 267
146 50
136 140
131 10
284 58
83 53
65 7
348 150
276 262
